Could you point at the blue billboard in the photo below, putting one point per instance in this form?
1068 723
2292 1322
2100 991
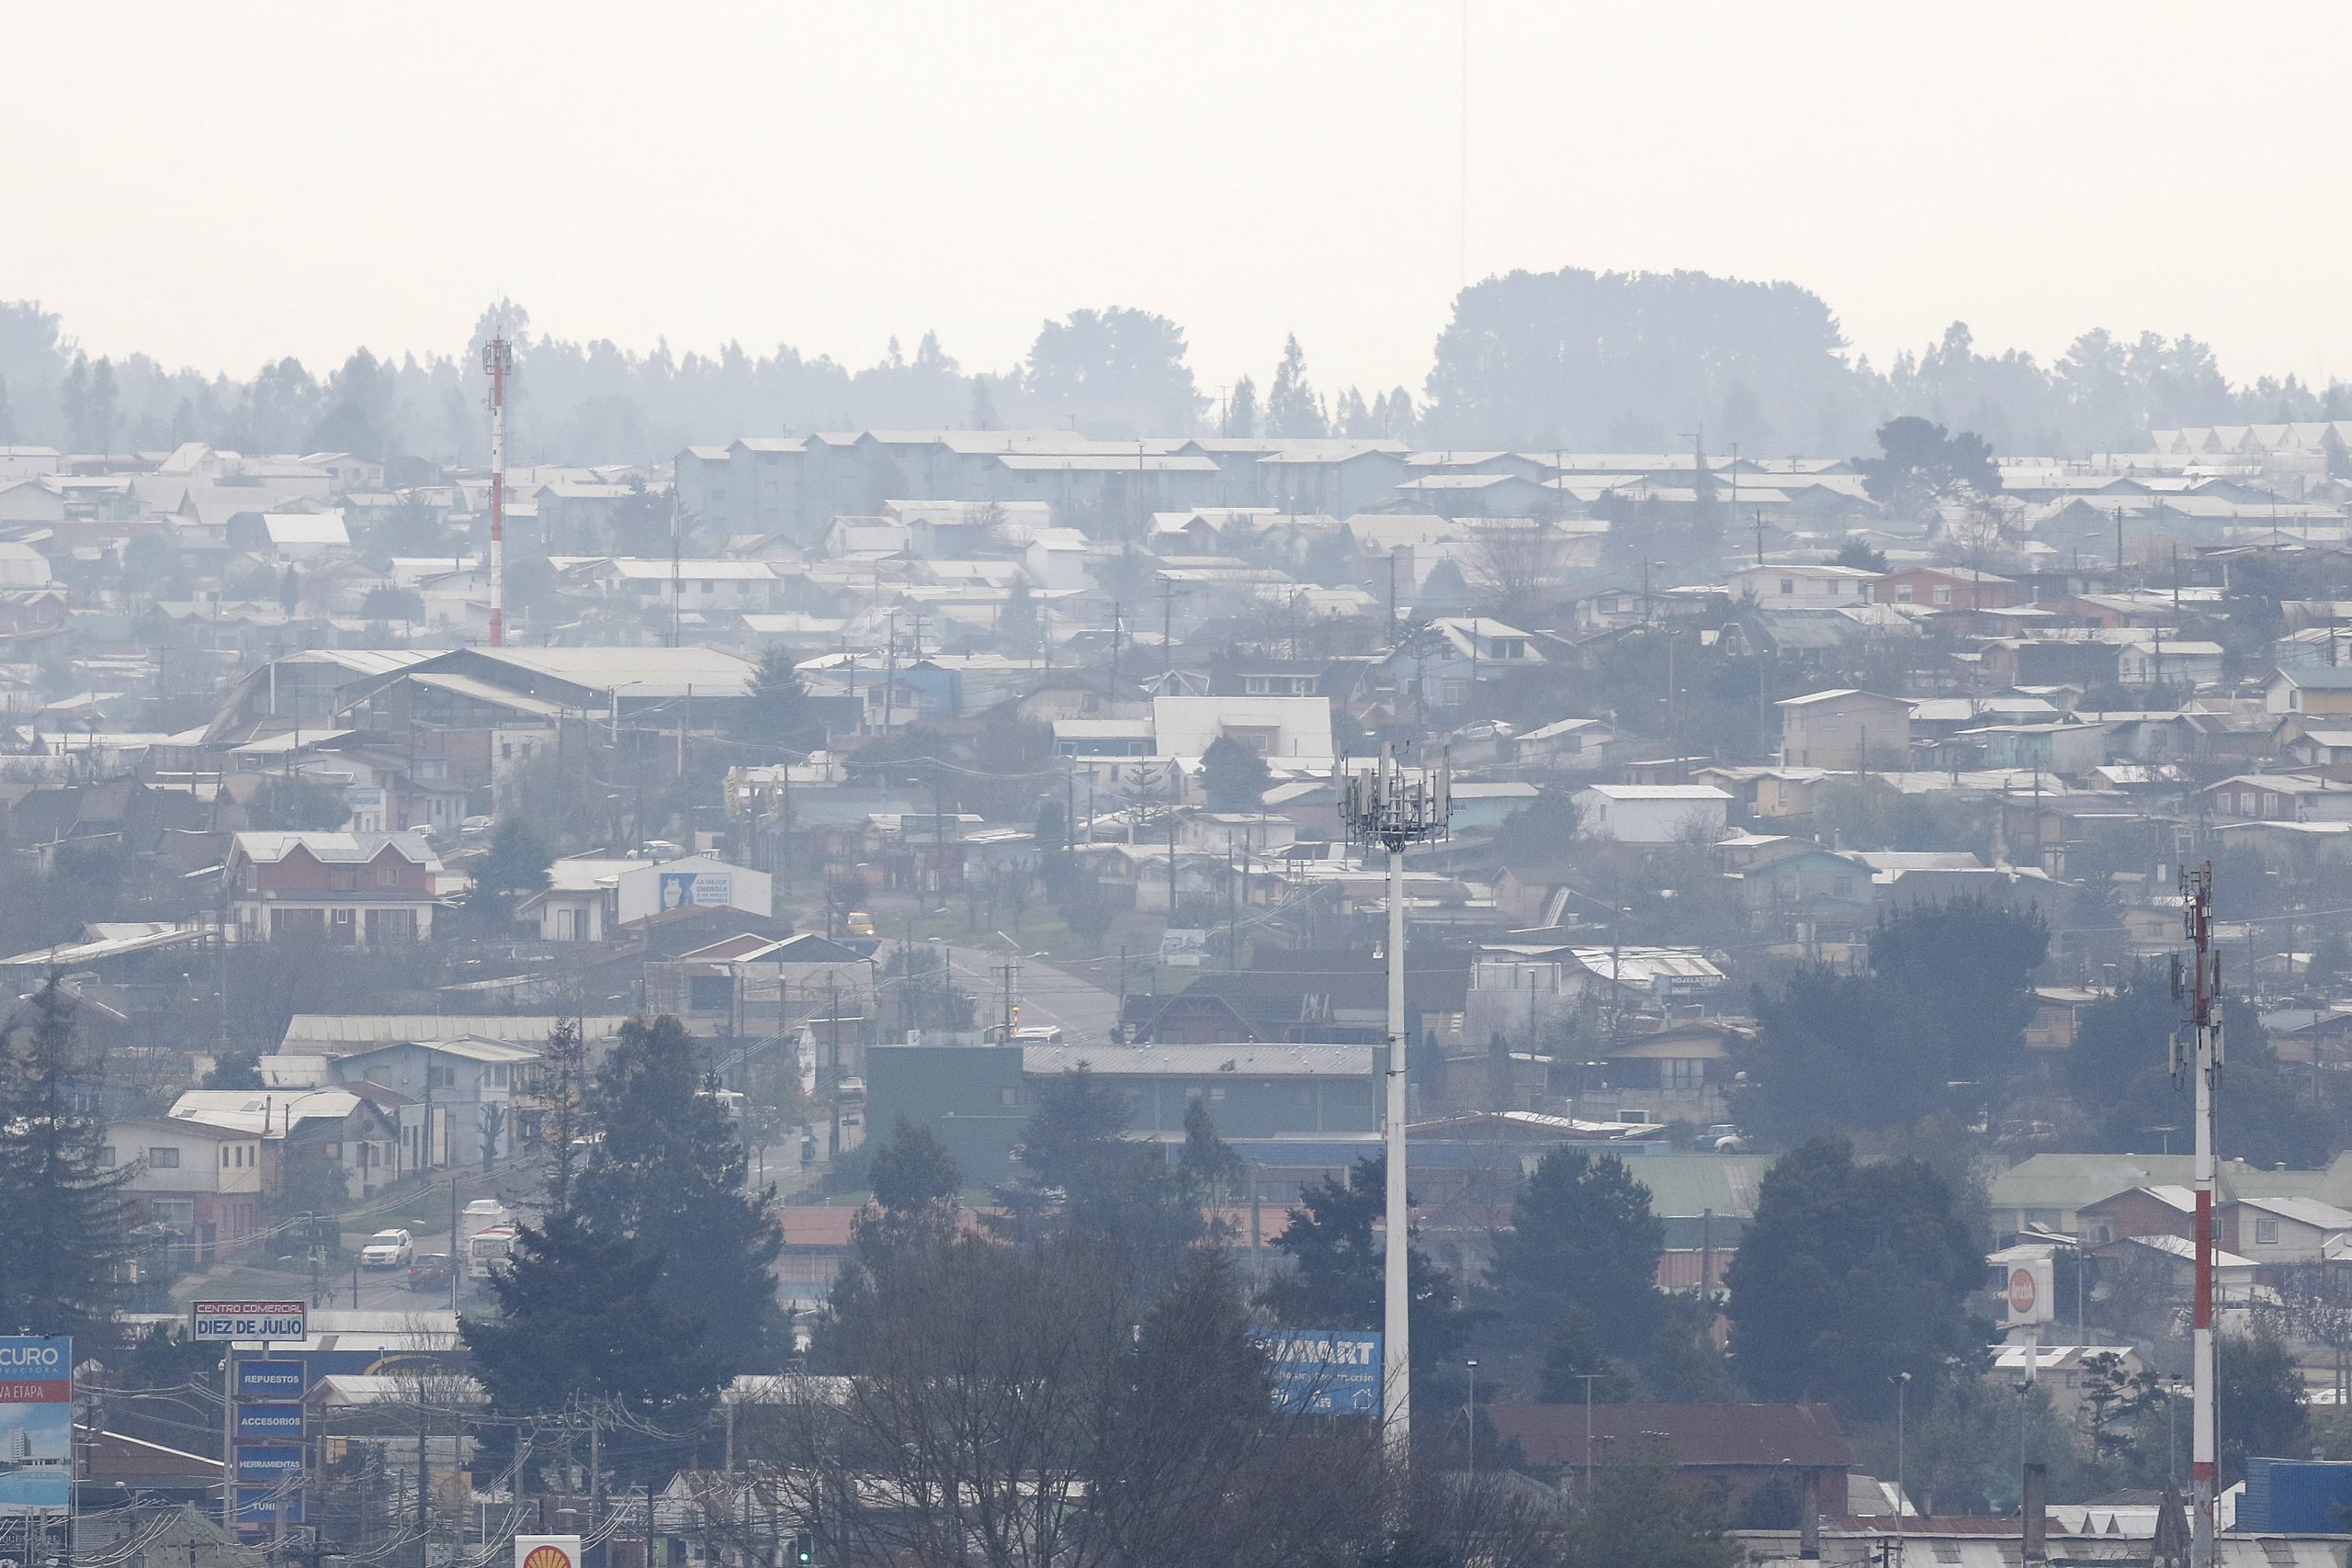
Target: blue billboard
266 1424
1323 1372
273 1379
260 1507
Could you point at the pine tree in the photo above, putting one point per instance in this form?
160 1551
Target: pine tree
983 415
779 712
1241 410
63 1241
1582 1237
1292 407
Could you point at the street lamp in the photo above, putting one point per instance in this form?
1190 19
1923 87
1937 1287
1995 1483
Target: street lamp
1473 1364
1901 1382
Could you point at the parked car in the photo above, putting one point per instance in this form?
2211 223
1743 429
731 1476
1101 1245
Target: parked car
431 1271
859 923
388 1250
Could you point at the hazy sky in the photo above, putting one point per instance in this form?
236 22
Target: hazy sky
213 183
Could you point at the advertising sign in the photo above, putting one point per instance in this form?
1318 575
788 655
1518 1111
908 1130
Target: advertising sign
270 1379
260 1507
36 1427
1321 1371
547 1552
1180 949
2028 1293
216 1321
268 1424
686 889
269 1464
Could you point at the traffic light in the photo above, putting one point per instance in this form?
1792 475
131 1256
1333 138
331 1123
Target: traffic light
804 1550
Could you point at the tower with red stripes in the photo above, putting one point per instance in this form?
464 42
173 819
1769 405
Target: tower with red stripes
497 360
2201 1061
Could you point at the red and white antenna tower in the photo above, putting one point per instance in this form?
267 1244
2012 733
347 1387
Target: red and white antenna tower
2201 1061
497 360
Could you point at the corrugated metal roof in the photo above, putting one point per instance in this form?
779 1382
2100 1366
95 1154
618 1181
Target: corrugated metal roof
1201 1061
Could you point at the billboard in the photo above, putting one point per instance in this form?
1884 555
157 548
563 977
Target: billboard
36 1427
261 1507
269 1380
2027 1293
269 1424
687 889
1323 1372
547 1552
1182 948
267 1465
217 1321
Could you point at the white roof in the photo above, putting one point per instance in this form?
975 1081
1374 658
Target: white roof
259 1111
1657 792
340 849
305 527
356 1031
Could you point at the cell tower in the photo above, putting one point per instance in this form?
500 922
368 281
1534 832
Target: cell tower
497 360
1393 806
2199 1060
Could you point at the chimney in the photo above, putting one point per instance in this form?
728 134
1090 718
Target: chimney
1809 1515
2033 1505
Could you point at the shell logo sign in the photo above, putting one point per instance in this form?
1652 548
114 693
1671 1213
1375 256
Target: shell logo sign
547 1552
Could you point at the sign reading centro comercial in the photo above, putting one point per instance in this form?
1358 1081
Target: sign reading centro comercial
35 1426
217 1321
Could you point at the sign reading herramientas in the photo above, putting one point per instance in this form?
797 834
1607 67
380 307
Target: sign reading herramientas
249 1320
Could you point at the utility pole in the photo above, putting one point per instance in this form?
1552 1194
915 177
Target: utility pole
2202 1060
497 362
1392 805
1168 621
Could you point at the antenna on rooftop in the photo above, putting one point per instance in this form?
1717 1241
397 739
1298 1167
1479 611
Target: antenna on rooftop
497 360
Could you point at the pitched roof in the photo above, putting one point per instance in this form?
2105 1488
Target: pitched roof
1691 1435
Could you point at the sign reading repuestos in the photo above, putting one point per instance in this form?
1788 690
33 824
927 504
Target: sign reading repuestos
217 1321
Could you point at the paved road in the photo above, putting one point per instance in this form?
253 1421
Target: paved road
1081 1010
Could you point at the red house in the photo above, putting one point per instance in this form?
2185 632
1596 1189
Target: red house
1942 588
351 889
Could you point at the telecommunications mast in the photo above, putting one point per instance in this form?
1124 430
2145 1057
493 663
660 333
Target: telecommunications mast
497 360
1392 805
2199 1060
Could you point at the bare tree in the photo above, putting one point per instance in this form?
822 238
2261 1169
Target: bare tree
1514 561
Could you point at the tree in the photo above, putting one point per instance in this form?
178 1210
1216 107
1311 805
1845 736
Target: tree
388 603
1017 622
582 1315
292 803
1938 1025
62 1250
1637 1518
1233 776
233 1069
983 411
1084 1179
1920 465
1571 1356
2259 1392
917 1187
779 711
515 867
290 590
1337 1274
1117 369
1052 830
1847 1275
1582 1238
1241 410
669 1171
1292 407
1858 553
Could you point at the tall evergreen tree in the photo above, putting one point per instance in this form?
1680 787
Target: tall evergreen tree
1241 410
65 1238
1337 1283
1292 407
1582 1237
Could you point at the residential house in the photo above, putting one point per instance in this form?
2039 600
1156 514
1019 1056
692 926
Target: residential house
2320 689
2282 1230
1446 658
1802 585
1293 734
199 1181
463 1093
341 1125
1653 814
1943 588
2277 797
2160 1210
1728 1451
1844 730
369 890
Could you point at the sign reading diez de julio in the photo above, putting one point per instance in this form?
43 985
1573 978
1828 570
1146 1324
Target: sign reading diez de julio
249 1320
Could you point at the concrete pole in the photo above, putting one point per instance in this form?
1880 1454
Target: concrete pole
1397 1330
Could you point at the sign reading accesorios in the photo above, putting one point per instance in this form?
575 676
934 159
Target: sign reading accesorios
217 1321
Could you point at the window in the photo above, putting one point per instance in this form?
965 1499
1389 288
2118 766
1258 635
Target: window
1943 593
105 1156
1788 585
1216 1095
176 1213
2269 803
161 1159
386 876
1010 1095
2265 1233
1903 593
226 1159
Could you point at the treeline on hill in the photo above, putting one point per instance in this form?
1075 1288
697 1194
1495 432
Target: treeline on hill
1590 361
